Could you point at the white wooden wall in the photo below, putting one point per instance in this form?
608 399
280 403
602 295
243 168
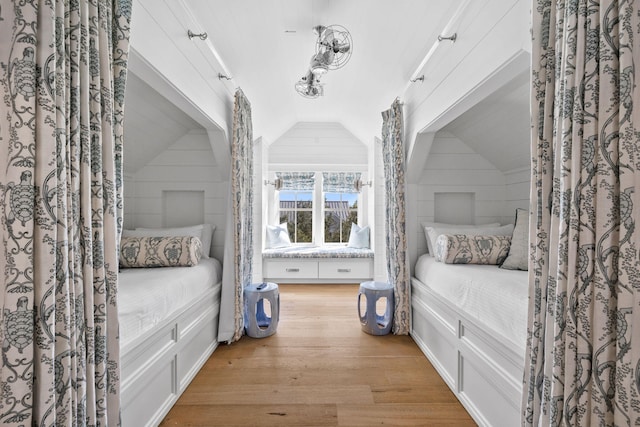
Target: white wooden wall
187 165
316 146
325 144
453 167
517 189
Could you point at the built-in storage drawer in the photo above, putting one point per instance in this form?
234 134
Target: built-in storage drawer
291 269
345 269
317 270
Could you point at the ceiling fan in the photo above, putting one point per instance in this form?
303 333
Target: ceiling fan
309 86
334 46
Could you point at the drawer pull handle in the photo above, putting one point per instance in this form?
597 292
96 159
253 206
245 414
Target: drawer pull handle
292 270
344 270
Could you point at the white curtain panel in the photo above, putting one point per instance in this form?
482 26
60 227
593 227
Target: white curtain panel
238 248
583 349
395 216
63 68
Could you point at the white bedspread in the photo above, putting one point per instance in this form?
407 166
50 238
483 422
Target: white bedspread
146 296
495 296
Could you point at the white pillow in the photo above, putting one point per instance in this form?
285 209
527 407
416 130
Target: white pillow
204 232
518 257
207 239
359 237
434 232
278 236
431 245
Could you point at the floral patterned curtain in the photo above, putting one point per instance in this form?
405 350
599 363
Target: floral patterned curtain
238 253
340 182
297 181
63 67
583 349
396 239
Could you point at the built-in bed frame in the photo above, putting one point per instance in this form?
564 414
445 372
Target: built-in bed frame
157 367
484 373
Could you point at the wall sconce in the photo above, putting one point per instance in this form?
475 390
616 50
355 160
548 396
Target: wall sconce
277 183
358 184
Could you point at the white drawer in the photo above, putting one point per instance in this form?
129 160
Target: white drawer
290 269
345 269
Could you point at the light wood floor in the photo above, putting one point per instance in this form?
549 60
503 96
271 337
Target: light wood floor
319 369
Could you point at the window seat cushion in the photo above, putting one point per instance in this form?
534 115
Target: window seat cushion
328 251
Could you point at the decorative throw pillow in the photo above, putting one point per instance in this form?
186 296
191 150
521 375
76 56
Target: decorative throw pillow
359 237
177 251
472 249
278 236
518 257
204 232
484 230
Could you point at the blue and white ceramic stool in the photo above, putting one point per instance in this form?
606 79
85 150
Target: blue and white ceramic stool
257 323
371 322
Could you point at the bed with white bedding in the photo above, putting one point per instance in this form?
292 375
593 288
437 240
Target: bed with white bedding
470 321
168 329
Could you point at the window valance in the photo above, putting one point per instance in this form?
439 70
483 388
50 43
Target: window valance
296 181
340 182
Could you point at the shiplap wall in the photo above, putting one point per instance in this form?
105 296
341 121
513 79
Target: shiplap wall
317 144
187 165
129 208
517 189
454 167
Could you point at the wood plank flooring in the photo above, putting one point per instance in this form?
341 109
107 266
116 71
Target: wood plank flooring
319 369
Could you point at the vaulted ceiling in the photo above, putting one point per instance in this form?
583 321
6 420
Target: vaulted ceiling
265 46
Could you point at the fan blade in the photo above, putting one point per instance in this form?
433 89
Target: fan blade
328 56
328 35
341 47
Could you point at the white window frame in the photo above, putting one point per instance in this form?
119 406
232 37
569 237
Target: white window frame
313 222
318 202
325 210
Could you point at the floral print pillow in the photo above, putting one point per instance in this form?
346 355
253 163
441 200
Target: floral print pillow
180 251
466 249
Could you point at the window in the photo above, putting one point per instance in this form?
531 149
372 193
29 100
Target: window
296 204
296 209
318 207
340 211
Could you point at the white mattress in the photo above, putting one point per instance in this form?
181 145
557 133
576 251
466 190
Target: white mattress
147 296
496 297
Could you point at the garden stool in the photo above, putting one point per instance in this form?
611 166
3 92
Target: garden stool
256 322
371 322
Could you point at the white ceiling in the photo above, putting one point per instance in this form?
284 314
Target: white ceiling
266 46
